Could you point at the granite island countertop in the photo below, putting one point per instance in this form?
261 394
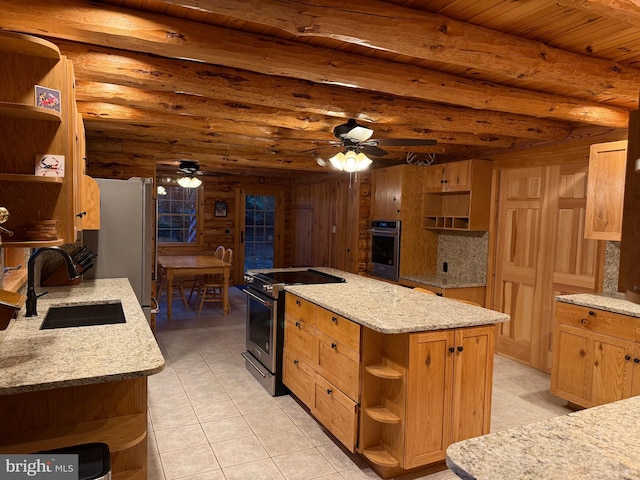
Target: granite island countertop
592 444
32 359
609 302
390 308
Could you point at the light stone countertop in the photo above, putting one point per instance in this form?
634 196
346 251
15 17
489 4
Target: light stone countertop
388 308
593 444
608 302
444 280
32 359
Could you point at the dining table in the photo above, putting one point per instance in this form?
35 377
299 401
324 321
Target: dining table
185 265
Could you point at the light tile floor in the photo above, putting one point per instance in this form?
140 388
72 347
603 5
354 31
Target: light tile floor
209 419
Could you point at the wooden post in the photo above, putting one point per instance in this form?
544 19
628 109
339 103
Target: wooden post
629 278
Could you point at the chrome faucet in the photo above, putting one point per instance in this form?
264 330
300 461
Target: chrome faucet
31 291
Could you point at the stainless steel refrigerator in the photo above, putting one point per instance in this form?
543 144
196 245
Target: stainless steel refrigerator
124 243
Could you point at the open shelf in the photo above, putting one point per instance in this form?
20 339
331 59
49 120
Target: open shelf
22 44
31 243
28 178
382 415
380 456
382 371
120 433
14 279
31 112
441 222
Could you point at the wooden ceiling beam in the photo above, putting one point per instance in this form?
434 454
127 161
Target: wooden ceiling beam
181 39
102 65
434 37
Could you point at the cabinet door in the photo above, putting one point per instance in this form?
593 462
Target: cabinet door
338 364
472 382
387 193
433 179
429 397
298 376
336 411
571 370
612 368
635 384
605 190
457 177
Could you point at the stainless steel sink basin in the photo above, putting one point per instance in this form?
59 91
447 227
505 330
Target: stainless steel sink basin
83 315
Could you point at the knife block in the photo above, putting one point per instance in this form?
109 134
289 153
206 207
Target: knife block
60 277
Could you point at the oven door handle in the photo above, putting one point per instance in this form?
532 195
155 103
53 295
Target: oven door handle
266 303
390 233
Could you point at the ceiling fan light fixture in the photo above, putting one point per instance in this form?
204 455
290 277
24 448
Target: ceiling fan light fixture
189 181
350 161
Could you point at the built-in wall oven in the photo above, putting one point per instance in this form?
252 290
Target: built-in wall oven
384 238
265 321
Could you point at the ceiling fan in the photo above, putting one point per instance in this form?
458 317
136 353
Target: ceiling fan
354 135
189 170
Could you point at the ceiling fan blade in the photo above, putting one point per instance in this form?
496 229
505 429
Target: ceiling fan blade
398 142
341 130
373 150
360 134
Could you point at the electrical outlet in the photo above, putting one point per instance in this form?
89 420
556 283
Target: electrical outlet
445 267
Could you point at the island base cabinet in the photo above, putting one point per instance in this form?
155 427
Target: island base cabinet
111 412
421 392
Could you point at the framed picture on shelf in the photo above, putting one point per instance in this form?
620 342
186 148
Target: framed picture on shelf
220 209
48 165
48 98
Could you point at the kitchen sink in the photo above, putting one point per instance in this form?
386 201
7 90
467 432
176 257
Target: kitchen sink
83 315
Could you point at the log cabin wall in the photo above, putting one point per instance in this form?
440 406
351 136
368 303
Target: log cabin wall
536 244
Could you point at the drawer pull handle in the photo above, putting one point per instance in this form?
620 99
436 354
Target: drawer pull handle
460 348
584 322
452 349
295 362
298 324
298 302
334 345
329 391
627 357
334 319
592 313
636 360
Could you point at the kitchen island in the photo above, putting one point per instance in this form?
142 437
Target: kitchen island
592 444
77 385
394 374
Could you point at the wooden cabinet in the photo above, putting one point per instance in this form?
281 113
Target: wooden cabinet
424 391
397 191
322 365
605 190
386 193
30 131
456 196
595 356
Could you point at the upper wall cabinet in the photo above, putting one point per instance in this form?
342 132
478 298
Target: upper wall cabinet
456 196
386 193
605 190
37 162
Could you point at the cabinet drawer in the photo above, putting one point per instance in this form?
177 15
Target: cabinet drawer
338 364
597 321
300 308
339 328
298 377
299 337
337 412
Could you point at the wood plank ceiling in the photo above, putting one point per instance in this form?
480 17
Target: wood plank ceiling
257 86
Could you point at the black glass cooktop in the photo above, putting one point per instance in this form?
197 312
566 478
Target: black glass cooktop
301 277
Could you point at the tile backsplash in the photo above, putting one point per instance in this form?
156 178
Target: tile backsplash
465 254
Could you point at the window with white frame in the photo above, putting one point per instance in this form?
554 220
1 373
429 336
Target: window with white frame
178 214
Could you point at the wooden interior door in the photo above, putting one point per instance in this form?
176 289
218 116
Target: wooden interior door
519 221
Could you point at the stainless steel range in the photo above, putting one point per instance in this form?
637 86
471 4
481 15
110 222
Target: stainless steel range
265 321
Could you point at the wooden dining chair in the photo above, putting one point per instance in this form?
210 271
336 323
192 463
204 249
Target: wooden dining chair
212 290
200 280
163 284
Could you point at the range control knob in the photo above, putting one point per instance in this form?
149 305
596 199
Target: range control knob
268 288
248 278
